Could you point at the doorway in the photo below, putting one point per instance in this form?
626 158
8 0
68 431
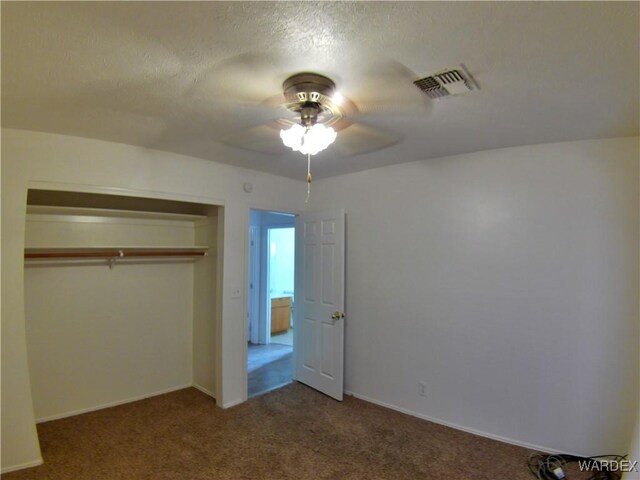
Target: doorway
271 301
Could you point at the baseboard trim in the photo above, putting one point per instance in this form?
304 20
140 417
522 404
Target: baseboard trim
480 433
13 468
233 403
111 404
204 390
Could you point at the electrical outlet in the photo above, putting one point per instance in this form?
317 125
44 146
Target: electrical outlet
422 389
235 292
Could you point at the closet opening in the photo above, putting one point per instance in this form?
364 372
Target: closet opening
271 301
122 299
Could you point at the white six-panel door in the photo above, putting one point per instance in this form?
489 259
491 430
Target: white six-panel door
319 301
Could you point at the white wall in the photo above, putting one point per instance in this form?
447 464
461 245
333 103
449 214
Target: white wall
634 452
281 261
507 280
98 336
49 161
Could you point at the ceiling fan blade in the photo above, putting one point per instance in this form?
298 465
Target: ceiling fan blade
356 139
242 79
384 111
359 138
385 86
263 138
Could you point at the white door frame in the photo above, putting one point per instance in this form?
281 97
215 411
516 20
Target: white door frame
254 284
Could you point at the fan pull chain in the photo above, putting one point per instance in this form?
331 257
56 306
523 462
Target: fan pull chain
308 177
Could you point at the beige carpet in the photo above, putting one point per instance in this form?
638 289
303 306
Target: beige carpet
291 433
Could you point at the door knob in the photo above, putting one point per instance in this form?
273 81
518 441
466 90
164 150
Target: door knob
337 315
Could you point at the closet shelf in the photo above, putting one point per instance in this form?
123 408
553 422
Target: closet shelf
110 252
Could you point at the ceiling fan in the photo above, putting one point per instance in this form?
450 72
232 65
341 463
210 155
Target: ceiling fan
324 105
318 112
311 114
314 98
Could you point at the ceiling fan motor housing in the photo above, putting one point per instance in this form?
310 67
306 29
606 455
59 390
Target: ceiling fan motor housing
308 87
311 95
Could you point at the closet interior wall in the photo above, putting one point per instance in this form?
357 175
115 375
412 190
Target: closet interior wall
100 333
205 307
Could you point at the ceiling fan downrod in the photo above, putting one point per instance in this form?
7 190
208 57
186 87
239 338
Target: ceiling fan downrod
309 114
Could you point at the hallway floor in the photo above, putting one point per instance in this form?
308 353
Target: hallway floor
269 367
285 338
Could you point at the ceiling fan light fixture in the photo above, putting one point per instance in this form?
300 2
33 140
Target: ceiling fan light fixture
308 140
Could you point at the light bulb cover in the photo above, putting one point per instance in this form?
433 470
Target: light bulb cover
308 140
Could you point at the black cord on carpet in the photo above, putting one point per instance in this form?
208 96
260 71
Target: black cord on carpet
552 467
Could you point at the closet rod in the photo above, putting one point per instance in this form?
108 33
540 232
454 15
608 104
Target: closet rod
114 254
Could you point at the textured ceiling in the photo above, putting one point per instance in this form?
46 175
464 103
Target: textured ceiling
182 76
